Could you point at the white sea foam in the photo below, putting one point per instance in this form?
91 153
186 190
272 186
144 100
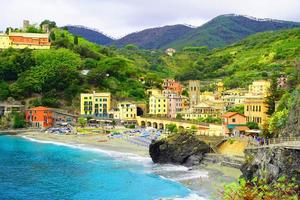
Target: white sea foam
192 196
196 174
110 153
170 168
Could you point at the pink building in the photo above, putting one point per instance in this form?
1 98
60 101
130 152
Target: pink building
175 104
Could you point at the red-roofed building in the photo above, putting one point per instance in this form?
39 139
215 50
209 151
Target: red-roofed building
40 117
233 119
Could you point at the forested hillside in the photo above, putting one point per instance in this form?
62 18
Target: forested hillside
55 74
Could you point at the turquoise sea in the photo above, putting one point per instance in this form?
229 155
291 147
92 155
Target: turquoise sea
31 170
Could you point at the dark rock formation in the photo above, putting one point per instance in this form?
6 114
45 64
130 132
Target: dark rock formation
180 148
272 163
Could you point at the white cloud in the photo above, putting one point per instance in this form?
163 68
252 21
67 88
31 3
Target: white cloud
120 17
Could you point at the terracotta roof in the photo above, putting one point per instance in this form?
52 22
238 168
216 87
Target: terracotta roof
39 108
230 114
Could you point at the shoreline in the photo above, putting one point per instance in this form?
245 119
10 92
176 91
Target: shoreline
217 175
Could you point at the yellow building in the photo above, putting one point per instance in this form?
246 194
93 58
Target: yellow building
154 92
255 109
260 87
220 87
4 41
96 104
127 111
158 105
207 96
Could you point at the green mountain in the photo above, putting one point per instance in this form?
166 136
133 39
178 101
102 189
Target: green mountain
154 38
227 29
90 34
256 57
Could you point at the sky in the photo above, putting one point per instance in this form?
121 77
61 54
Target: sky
117 18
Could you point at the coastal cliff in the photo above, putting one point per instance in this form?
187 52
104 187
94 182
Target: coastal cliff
271 163
180 148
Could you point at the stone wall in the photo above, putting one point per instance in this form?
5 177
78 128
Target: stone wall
272 163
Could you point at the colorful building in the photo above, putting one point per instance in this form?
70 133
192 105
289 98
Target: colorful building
158 105
95 104
231 120
256 109
8 107
43 117
125 111
175 104
202 110
172 86
4 41
40 117
29 40
194 92
259 88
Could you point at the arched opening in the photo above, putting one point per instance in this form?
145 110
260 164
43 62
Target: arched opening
149 124
154 125
143 123
161 126
139 111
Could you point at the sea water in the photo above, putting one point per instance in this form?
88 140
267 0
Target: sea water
34 170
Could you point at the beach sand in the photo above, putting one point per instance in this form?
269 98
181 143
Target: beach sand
211 183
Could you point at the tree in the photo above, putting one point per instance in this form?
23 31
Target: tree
52 36
4 91
179 116
239 109
172 128
51 24
19 120
194 129
82 121
278 121
76 40
252 125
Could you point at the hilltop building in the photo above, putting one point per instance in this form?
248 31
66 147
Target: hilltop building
95 104
170 51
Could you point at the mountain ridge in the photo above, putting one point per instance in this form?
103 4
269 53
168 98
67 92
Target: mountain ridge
218 32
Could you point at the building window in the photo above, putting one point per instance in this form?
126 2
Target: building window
233 120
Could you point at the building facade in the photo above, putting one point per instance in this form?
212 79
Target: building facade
172 86
232 119
158 105
194 92
95 104
259 88
5 42
202 110
40 117
256 109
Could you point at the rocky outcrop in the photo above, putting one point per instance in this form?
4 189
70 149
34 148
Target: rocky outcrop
181 148
272 163
292 127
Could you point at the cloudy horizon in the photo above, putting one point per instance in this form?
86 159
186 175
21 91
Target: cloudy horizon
117 18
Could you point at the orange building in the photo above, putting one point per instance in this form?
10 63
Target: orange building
40 117
232 120
29 40
172 86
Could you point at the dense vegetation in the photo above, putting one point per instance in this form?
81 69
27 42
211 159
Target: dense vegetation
261 189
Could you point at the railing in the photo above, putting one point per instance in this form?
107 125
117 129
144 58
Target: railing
274 141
